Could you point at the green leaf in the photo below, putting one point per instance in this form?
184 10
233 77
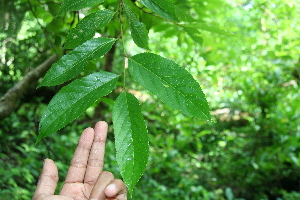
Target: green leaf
138 30
164 8
212 28
72 64
74 99
71 5
87 27
131 139
194 34
183 12
173 84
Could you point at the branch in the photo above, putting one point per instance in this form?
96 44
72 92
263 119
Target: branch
9 101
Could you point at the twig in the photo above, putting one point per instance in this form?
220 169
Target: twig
122 38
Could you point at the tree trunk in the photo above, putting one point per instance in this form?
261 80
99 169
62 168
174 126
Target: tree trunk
9 101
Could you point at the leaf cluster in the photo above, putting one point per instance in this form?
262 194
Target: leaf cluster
171 83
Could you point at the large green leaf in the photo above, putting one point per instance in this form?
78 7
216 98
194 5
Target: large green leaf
173 84
87 27
138 30
74 5
74 99
131 139
164 8
72 64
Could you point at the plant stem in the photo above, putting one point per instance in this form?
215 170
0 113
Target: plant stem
123 43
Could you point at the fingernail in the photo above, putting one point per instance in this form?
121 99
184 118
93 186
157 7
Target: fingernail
111 187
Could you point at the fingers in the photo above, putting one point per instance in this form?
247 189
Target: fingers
96 157
79 161
103 180
47 181
117 189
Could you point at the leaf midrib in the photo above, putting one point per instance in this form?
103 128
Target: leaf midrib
68 107
169 86
80 61
135 19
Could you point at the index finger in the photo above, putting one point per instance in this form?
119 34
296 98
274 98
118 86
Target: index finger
96 157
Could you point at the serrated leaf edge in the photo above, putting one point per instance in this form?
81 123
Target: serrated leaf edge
133 22
171 85
68 108
121 127
80 61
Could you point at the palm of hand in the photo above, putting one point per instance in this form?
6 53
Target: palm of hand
76 191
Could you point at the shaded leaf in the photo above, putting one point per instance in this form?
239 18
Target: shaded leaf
167 30
138 30
71 5
72 64
173 84
182 12
87 27
164 8
53 8
194 34
74 99
131 139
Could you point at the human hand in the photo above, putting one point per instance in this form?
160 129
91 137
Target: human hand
85 178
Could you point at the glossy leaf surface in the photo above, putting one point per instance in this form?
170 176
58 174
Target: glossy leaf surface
138 30
87 27
71 5
164 8
74 99
173 84
72 64
131 139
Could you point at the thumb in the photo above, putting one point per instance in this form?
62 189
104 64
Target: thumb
48 180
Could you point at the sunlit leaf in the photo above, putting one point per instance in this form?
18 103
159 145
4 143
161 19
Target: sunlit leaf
71 64
87 27
138 30
74 99
71 5
212 28
164 8
131 139
173 84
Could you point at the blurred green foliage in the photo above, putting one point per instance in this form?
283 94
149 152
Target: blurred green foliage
248 67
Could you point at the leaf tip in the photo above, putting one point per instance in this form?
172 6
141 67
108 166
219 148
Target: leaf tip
38 139
42 84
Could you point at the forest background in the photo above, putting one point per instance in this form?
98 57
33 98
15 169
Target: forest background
244 54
